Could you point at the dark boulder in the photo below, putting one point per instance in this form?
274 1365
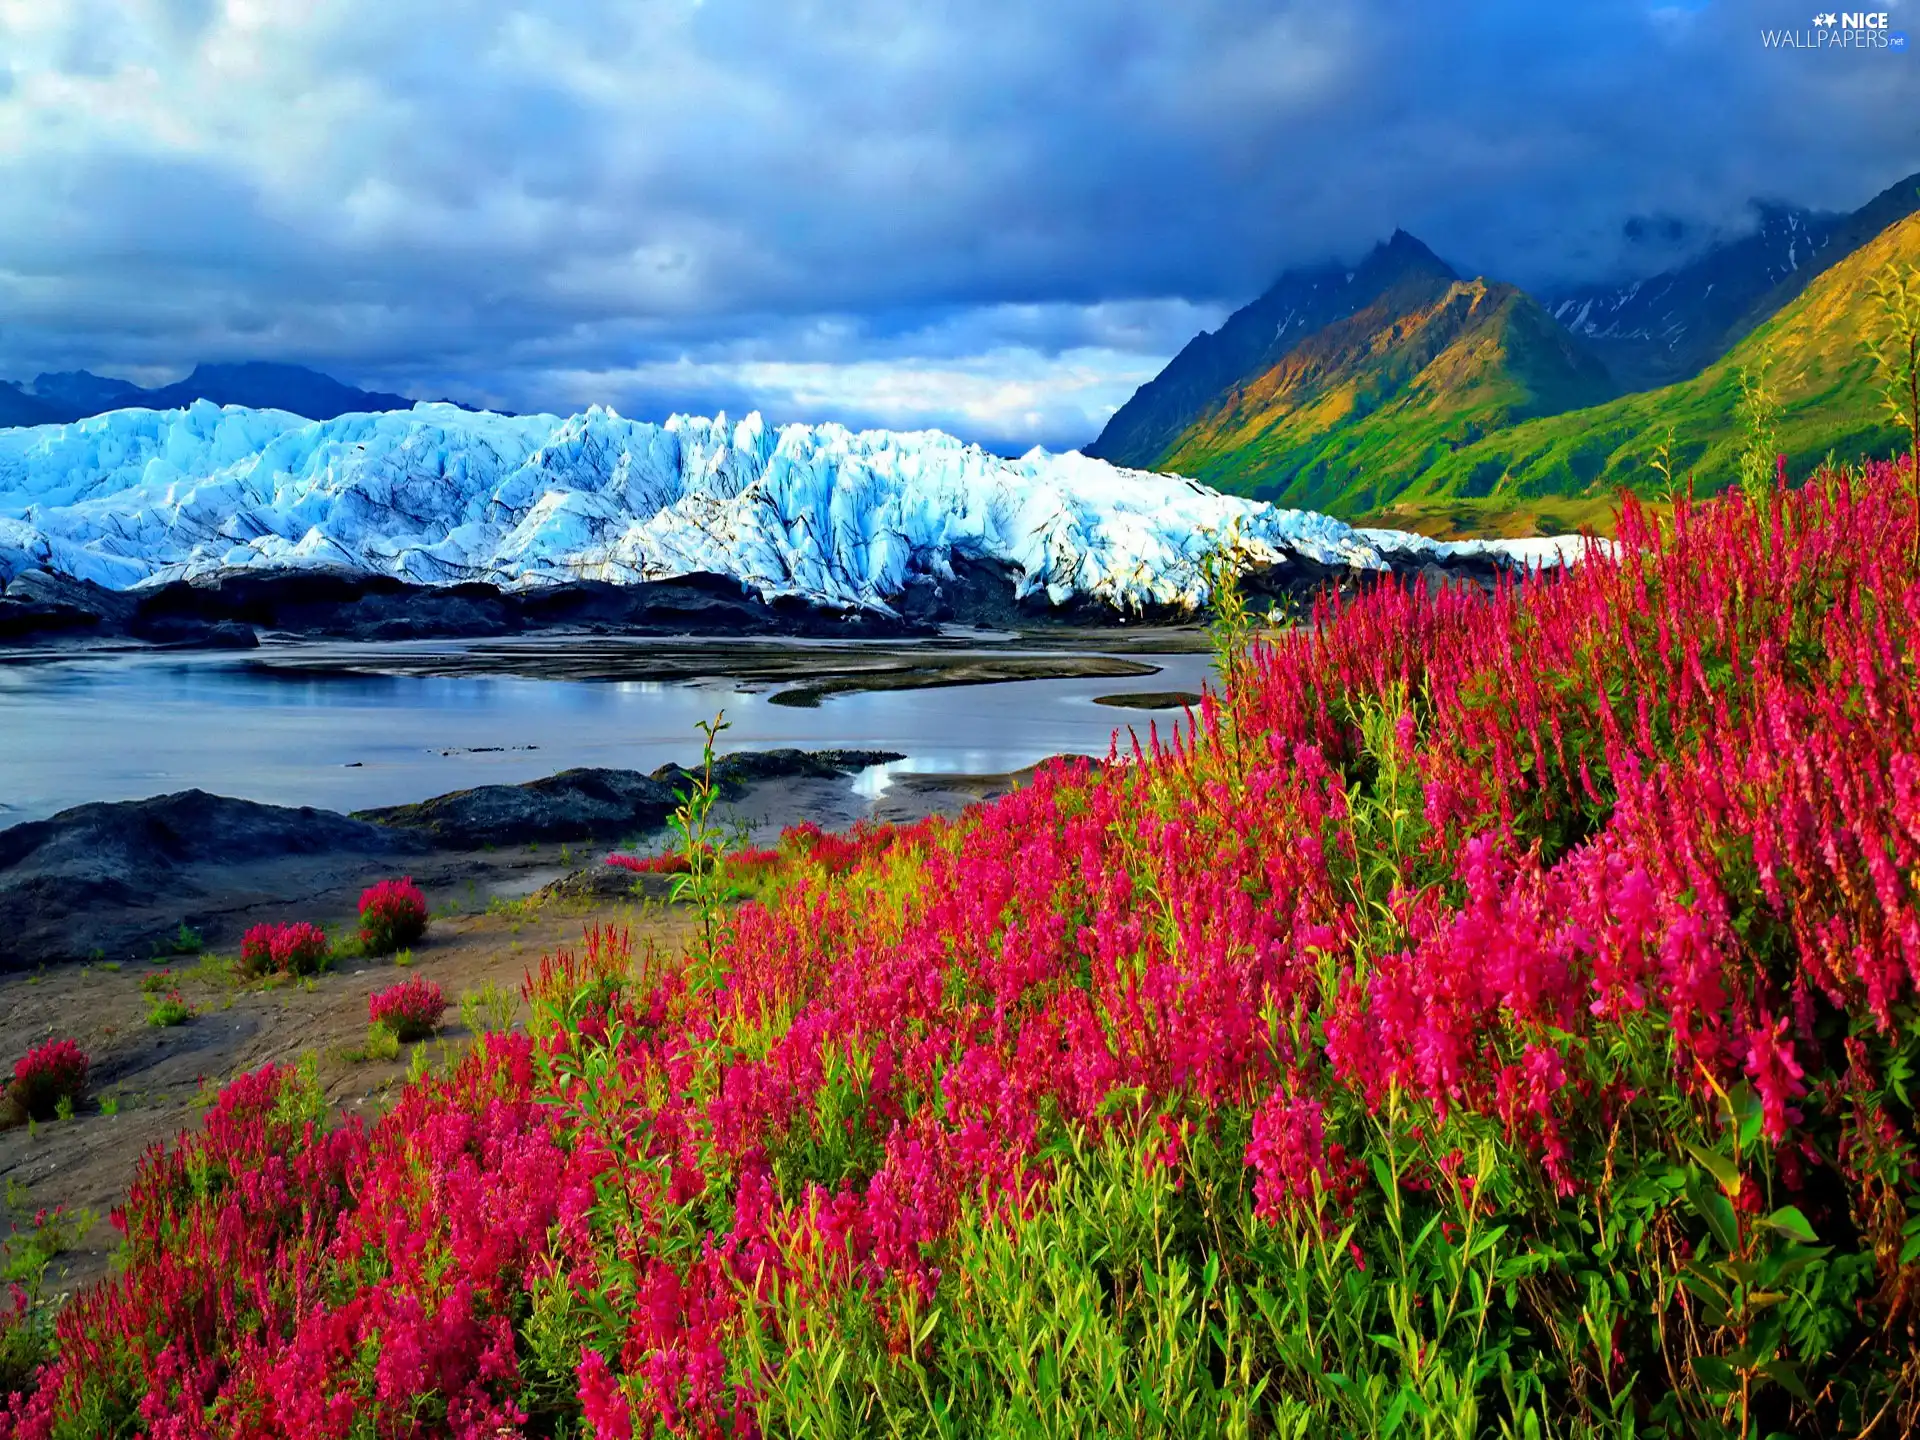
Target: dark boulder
59 876
38 607
38 604
591 803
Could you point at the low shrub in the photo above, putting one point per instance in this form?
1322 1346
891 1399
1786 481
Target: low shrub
301 948
393 913
37 1238
749 863
410 1009
184 941
671 863
488 1010
168 1009
256 950
381 1044
837 854
48 1074
156 982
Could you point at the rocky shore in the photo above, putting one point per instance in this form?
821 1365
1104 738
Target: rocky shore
40 608
115 879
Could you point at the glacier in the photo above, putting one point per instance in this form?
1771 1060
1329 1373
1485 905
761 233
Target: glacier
438 495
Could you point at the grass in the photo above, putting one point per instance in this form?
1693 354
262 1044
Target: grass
522 909
184 941
1458 517
381 1045
168 1008
37 1239
489 1010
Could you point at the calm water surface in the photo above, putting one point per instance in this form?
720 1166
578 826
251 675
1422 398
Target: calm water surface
121 727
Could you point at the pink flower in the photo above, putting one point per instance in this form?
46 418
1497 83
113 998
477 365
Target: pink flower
410 1009
603 1402
48 1074
1776 1076
393 914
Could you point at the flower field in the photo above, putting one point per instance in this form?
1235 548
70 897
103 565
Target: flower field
1490 1015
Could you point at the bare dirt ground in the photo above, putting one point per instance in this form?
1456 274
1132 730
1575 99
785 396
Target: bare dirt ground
157 1082
490 926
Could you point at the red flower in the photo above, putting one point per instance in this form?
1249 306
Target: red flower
393 915
602 1402
410 1009
48 1074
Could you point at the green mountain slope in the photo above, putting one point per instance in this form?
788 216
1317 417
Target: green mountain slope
1399 390
1360 409
1669 327
1257 336
1811 355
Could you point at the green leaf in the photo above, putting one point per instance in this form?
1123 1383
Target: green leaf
1789 1221
1716 1373
1724 1170
1793 1260
1702 1290
1395 1412
1486 1240
1748 1111
1783 1374
1714 1209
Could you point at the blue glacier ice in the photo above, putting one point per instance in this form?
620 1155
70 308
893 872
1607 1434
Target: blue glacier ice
438 495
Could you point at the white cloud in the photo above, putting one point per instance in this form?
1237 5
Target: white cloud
1001 201
1009 398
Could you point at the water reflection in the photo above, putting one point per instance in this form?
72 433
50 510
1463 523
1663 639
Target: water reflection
123 727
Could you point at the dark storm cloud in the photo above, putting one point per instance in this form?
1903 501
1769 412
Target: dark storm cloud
993 216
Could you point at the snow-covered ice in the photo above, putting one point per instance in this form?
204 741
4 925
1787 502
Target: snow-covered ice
438 495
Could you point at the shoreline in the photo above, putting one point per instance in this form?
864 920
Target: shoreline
809 671
110 881
346 727
496 911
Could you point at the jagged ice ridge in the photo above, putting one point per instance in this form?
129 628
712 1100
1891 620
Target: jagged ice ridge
438 495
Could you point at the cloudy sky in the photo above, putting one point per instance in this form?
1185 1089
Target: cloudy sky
993 216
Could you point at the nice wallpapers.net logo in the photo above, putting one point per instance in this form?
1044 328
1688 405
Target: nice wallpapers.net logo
1839 30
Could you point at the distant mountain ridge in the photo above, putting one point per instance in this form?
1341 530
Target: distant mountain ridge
1673 325
61 396
1811 355
1344 389
1670 326
1255 337
1343 377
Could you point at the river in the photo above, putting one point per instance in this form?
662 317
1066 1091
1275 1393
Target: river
125 726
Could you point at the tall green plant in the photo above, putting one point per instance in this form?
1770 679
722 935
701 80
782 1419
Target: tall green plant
1230 622
701 844
1760 423
1896 362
